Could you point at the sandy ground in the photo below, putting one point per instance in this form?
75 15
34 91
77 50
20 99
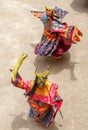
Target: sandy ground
20 32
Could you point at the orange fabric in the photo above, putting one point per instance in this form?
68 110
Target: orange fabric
39 108
50 35
76 34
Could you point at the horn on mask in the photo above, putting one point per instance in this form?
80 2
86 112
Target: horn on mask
44 74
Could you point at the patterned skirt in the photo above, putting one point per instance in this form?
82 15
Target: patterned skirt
47 116
52 44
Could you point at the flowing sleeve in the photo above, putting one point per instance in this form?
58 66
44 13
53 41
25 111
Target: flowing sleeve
59 13
37 14
18 82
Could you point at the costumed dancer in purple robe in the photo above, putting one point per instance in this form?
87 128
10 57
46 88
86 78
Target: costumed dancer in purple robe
57 37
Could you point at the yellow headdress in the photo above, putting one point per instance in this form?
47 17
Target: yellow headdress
44 74
48 9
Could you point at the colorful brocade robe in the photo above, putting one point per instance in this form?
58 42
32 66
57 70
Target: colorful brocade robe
57 36
44 103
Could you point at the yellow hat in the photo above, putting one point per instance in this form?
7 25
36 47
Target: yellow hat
44 74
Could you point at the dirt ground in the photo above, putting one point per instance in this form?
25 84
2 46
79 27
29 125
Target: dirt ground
20 31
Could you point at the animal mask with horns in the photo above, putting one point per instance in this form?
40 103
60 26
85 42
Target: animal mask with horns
41 77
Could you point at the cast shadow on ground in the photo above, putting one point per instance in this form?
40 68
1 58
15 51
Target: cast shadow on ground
20 122
56 65
80 6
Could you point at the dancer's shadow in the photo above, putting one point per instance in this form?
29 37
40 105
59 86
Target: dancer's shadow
56 65
20 122
80 6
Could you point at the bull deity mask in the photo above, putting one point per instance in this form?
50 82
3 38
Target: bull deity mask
41 77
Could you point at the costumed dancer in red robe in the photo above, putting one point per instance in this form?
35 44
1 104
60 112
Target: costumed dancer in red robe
43 98
57 37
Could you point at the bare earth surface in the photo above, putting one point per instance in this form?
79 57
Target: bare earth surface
20 31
